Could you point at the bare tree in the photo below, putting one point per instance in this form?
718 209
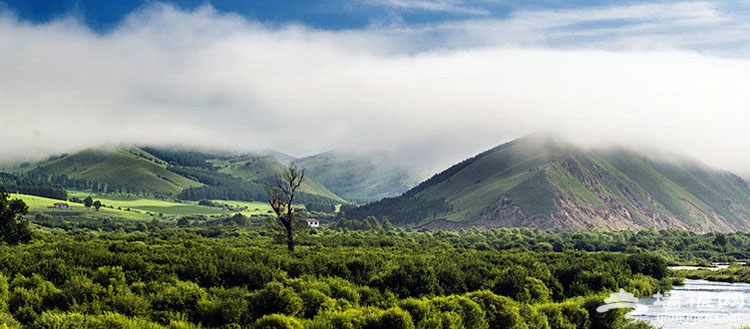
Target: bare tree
281 198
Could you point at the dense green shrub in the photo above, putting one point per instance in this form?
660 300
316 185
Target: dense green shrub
275 298
227 276
277 321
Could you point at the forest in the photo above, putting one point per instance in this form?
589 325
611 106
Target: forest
235 271
32 185
231 273
231 276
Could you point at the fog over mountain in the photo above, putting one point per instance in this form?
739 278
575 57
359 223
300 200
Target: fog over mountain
669 76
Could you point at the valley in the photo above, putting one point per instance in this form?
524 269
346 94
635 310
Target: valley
534 233
535 181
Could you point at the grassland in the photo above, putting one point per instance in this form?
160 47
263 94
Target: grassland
45 205
126 169
139 208
265 169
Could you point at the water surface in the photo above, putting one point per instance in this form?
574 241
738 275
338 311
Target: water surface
700 304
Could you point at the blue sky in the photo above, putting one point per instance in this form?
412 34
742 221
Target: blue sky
431 81
329 14
104 16
709 27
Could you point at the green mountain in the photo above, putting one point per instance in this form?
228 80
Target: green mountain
359 178
284 158
264 168
539 182
182 173
114 170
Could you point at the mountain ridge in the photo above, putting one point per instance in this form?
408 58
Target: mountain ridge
357 177
182 173
538 181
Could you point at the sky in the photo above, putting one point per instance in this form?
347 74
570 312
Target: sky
431 81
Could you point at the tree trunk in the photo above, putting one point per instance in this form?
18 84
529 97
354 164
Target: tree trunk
289 236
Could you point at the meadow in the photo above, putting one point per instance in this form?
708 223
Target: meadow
140 208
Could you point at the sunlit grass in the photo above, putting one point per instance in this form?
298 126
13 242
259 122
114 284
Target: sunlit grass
39 204
139 208
169 208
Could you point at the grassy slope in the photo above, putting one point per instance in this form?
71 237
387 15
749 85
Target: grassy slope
121 167
143 172
139 208
570 186
263 170
716 191
512 171
45 205
358 178
535 171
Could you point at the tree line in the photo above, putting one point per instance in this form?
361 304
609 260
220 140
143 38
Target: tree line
32 185
405 210
234 276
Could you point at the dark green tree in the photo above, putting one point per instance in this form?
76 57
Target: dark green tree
88 202
97 204
13 229
182 222
387 226
281 198
720 240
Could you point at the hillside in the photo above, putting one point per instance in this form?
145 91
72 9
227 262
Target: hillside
181 173
264 168
121 170
358 178
539 182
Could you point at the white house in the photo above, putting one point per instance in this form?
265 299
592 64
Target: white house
312 222
61 205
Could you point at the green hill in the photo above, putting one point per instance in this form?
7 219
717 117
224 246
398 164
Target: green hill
169 172
121 170
357 177
539 182
263 169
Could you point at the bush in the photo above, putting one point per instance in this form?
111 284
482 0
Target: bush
312 301
277 321
392 318
648 264
419 310
171 301
59 320
274 298
500 311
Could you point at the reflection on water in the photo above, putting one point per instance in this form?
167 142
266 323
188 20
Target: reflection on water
700 304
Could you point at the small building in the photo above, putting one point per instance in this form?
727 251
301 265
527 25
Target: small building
312 222
61 205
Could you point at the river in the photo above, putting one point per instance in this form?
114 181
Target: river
699 304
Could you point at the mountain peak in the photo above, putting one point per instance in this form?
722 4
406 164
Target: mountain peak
543 181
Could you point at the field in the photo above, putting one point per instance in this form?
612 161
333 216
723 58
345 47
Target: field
139 209
45 205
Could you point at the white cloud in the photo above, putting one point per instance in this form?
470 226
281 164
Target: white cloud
207 79
449 6
693 26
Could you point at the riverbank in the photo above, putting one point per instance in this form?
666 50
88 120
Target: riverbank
699 304
731 273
